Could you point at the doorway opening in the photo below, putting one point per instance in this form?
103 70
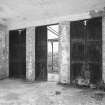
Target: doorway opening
17 53
52 49
46 53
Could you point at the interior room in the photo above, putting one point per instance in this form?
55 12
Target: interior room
52 52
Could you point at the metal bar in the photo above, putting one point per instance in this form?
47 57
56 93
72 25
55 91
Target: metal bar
52 55
54 40
52 31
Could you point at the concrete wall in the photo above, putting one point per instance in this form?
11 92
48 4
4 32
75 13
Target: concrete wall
30 53
64 52
4 68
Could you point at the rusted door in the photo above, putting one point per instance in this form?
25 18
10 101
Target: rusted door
94 48
17 54
86 48
77 48
41 53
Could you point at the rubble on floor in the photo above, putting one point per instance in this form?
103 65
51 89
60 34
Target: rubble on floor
18 92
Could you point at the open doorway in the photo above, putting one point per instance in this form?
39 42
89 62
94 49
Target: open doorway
46 53
52 50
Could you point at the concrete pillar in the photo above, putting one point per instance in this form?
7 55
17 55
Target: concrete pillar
7 51
103 48
30 53
4 45
64 52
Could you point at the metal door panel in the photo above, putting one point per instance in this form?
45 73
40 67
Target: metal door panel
86 48
94 53
77 52
94 29
77 30
17 54
41 53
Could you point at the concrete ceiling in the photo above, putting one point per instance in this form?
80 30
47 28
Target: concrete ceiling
24 13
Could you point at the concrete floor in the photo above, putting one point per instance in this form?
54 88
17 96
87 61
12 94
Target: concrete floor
53 77
18 92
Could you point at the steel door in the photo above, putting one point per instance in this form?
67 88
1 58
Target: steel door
86 48
41 53
17 54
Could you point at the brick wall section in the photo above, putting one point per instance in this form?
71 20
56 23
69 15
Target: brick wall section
30 53
103 48
4 68
64 52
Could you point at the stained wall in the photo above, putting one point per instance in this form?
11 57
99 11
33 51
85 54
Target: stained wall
4 42
30 53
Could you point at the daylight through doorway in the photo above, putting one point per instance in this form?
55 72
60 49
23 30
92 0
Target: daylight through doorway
52 65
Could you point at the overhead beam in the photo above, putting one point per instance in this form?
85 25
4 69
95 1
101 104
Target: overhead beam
54 40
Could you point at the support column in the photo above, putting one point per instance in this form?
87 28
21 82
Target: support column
64 52
4 68
30 53
7 50
103 48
